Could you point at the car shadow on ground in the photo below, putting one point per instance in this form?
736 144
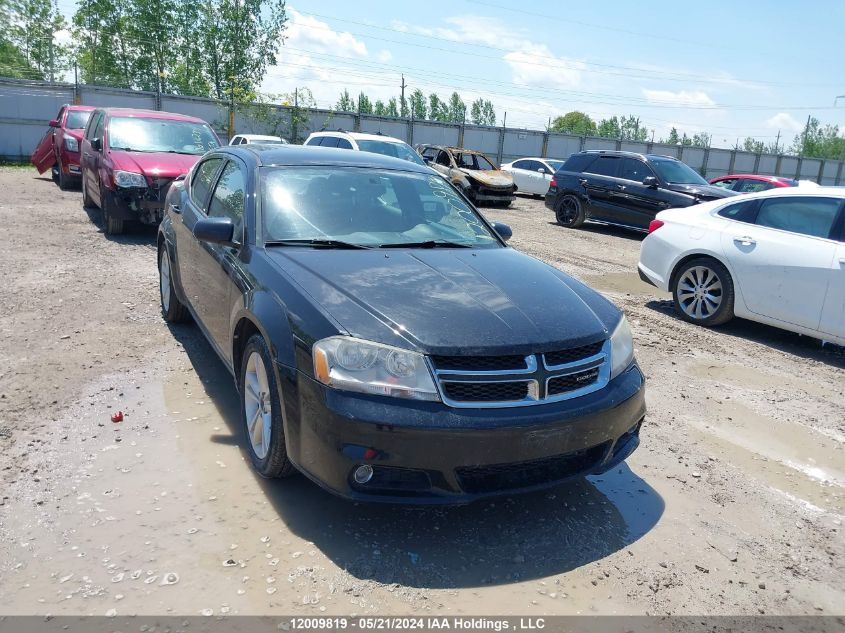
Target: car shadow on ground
134 232
783 340
505 540
607 229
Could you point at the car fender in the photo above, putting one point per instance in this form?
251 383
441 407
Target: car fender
270 317
739 300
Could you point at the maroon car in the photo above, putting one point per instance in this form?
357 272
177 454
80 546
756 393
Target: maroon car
130 157
750 183
59 149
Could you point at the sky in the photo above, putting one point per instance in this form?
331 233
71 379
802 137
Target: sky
727 68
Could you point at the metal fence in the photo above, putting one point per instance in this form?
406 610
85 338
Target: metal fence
26 106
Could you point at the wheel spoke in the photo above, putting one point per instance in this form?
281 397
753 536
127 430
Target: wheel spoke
252 387
257 431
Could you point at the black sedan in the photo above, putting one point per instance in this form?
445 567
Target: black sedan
384 340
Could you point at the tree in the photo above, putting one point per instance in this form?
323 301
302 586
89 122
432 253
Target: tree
631 130
609 128
103 51
674 138
28 41
379 108
300 101
391 109
574 122
818 141
702 139
364 104
418 110
457 108
149 27
404 110
482 112
438 110
346 103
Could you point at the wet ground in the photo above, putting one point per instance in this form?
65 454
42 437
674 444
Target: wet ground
732 505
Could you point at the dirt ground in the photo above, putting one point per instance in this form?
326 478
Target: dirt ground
732 505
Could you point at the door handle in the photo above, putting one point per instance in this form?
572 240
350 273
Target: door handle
175 208
621 187
745 240
584 182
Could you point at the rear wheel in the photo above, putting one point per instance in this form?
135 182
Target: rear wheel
173 310
569 212
261 408
704 292
111 224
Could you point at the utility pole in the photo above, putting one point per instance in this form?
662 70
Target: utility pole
234 72
777 142
76 99
806 135
402 98
505 120
295 115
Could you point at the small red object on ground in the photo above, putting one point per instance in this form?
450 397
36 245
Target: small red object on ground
117 417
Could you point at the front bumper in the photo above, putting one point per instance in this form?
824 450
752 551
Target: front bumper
144 204
429 453
482 193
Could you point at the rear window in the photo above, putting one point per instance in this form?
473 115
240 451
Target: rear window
578 162
739 211
397 150
606 166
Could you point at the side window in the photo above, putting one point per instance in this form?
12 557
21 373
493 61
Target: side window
605 166
725 184
229 196
430 152
746 185
579 162
92 125
806 215
740 211
521 164
443 159
636 170
342 143
101 122
314 141
533 165
329 141
60 115
202 181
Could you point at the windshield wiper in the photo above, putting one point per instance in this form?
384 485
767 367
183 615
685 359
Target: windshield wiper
318 243
427 244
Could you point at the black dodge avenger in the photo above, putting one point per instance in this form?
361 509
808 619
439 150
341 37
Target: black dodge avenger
384 339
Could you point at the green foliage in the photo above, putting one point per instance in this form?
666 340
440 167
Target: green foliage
457 109
28 46
418 110
364 104
391 109
818 141
574 122
345 103
438 110
482 112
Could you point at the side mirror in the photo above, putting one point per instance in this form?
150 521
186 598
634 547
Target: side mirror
97 144
542 170
503 230
215 231
53 123
650 181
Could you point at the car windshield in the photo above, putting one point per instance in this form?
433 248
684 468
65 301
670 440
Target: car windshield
77 119
555 164
161 135
268 141
676 172
367 207
397 150
474 161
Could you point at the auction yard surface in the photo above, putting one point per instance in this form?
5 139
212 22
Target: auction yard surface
732 505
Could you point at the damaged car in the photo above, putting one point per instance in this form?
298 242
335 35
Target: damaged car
130 158
478 178
58 150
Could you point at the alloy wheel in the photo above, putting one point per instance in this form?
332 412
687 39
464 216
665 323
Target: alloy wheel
164 280
699 292
257 405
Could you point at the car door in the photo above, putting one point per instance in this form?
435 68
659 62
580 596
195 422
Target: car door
601 184
216 264
833 312
782 261
751 185
521 175
639 202
91 157
44 155
194 207
537 183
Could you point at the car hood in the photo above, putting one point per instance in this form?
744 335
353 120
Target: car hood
154 164
490 177
77 134
449 301
704 192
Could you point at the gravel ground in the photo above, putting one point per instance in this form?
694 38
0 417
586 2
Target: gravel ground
732 505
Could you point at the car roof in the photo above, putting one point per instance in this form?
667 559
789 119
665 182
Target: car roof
72 107
359 136
614 152
536 158
151 114
758 177
836 192
262 137
304 155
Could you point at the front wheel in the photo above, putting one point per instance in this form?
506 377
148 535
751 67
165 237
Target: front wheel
570 213
704 292
87 202
261 409
111 224
173 310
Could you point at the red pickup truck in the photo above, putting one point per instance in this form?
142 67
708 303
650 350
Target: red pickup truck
59 149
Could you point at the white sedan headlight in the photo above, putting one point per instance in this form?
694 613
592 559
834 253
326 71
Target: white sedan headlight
71 144
353 364
129 179
621 348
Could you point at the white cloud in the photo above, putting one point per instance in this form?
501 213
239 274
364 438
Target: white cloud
535 68
315 35
695 98
784 121
384 56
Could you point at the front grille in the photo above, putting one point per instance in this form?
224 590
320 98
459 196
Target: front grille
564 356
500 477
486 391
479 363
387 479
570 382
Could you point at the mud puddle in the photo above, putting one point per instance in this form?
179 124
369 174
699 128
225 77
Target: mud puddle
624 283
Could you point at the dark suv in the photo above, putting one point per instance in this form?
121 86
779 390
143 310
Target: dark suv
624 188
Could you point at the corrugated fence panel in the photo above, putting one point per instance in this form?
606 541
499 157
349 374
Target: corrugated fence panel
788 167
599 143
111 98
718 162
744 162
435 133
24 113
211 111
483 139
664 149
388 127
810 169
634 146
768 165
562 146
831 169
694 157
519 143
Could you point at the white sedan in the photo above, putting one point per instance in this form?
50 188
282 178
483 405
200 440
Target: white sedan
533 175
777 257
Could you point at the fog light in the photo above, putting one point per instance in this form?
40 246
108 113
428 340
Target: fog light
363 474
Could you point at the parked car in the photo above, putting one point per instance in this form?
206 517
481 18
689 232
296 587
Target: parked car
246 139
382 336
131 157
751 183
58 151
375 143
776 257
533 175
472 172
624 188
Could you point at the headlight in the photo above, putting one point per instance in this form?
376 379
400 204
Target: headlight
353 364
129 179
621 348
71 144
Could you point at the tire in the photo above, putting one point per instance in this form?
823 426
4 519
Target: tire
63 180
87 202
55 170
111 224
261 410
569 212
704 292
173 310
504 204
